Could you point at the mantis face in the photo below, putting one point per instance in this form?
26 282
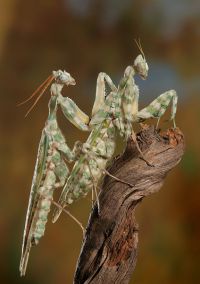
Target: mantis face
63 77
141 66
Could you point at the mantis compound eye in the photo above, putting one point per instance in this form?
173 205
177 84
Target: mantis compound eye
67 79
64 77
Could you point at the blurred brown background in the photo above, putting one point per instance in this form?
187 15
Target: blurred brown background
86 37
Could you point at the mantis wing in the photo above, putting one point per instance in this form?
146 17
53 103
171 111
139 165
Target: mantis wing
28 240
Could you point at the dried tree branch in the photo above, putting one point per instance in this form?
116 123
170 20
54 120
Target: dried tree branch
109 251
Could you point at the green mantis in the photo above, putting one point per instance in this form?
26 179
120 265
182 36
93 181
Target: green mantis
109 114
51 170
115 112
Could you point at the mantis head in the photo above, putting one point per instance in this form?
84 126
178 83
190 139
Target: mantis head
141 66
63 77
60 77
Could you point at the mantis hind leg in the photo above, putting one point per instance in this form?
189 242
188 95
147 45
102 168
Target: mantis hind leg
118 179
69 214
139 150
94 187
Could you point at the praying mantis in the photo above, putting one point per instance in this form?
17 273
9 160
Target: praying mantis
50 164
112 113
117 111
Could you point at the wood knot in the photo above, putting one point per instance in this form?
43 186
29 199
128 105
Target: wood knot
173 136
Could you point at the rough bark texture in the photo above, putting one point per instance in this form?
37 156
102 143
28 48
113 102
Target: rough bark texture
109 251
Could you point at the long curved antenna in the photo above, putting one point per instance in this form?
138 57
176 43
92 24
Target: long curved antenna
50 79
35 92
138 43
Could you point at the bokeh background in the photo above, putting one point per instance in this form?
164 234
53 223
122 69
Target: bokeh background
86 37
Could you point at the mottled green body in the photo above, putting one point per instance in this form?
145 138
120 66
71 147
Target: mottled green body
51 170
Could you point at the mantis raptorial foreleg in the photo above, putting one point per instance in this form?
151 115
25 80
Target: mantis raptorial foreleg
101 91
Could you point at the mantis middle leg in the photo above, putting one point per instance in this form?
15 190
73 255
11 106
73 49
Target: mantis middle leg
157 108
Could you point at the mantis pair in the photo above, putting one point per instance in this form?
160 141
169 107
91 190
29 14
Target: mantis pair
116 111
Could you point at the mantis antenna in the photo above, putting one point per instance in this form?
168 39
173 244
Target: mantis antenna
40 90
138 43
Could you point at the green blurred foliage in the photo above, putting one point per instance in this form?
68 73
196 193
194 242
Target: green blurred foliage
86 37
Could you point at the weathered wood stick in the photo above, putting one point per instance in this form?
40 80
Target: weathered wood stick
109 251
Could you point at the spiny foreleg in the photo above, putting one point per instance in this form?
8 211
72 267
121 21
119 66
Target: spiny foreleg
70 110
101 91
